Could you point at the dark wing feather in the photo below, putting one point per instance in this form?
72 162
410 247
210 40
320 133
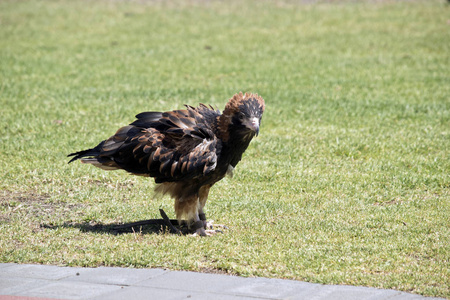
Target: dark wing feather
147 119
170 146
182 145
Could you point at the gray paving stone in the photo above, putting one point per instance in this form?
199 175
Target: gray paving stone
347 293
38 271
6 265
407 296
338 292
106 283
15 285
356 293
231 286
145 293
112 275
273 288
209 296
70 290
192 281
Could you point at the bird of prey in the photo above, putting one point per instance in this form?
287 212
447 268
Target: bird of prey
186 151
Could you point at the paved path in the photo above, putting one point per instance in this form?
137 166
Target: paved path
37 282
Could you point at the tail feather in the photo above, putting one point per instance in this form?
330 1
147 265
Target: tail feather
92 156
86 153
104 163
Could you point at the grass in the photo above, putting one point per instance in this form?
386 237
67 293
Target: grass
348 182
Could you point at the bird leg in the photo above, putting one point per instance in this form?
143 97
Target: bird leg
202 197
202 217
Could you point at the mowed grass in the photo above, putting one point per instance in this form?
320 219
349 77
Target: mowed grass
347 183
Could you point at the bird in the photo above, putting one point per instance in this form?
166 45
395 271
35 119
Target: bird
186 151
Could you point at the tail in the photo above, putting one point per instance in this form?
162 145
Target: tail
111 154
94 152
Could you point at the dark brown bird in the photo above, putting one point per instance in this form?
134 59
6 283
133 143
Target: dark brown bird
186 151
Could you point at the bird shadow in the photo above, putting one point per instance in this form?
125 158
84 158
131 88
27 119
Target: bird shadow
152 226
123 228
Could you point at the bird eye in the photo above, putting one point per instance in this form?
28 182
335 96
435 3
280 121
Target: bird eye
241 116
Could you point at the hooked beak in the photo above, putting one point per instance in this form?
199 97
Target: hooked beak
254 125
257 130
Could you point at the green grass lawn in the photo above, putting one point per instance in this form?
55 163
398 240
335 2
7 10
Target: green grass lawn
347 183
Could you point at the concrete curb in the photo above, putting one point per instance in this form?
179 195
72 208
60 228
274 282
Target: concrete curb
26 281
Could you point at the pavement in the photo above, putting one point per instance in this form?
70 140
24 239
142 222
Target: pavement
38 282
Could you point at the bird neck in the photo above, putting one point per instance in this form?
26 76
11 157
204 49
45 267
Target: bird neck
236 145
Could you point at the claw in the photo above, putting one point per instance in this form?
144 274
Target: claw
203 232
210 224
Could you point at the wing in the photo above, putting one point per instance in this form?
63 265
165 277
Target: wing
169 146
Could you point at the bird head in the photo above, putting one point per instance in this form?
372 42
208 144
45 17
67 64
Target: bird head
243 113
249 114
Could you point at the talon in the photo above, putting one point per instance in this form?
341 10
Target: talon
203 232
210 224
